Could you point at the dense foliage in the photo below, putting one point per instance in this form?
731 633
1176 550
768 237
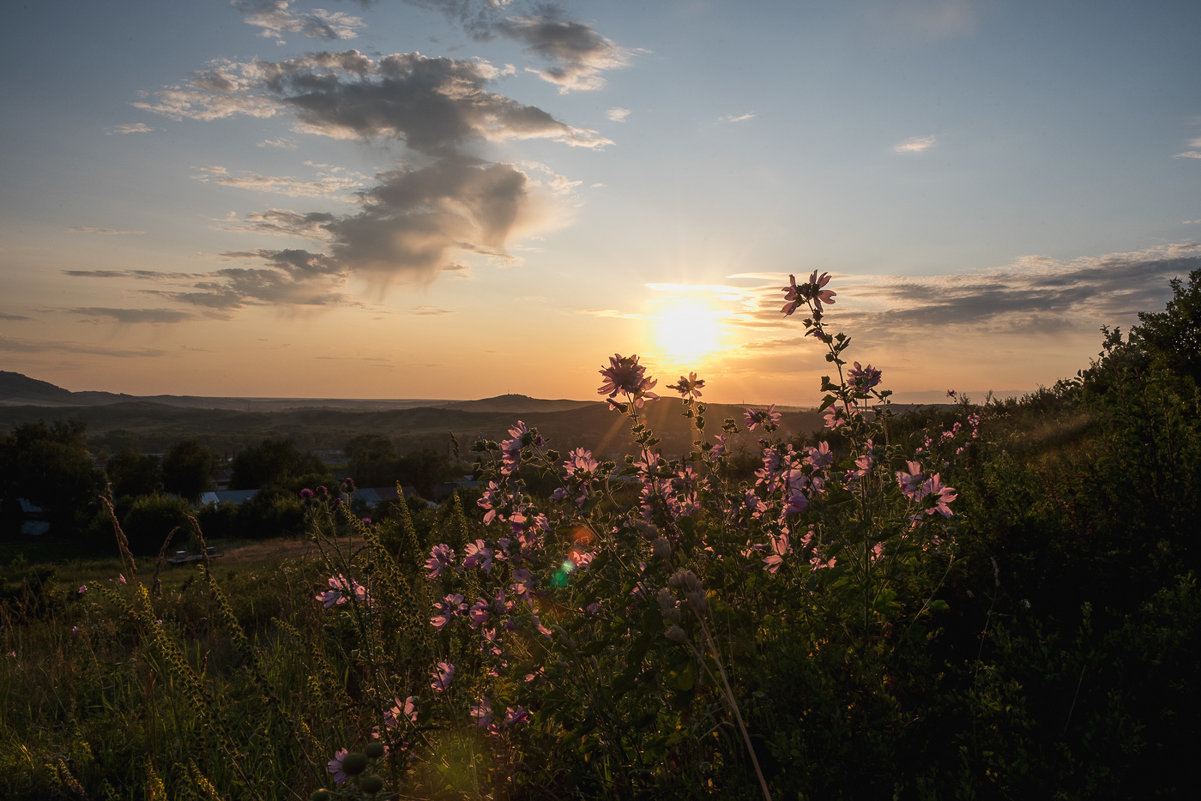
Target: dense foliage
978 601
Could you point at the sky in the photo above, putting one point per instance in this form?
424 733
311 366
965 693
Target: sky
463 198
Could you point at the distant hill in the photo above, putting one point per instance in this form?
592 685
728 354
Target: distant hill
229 424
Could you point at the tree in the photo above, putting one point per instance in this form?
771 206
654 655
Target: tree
274 464
49 465
188 469
131 472
373 461
1174 335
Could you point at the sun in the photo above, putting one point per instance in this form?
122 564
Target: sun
686 331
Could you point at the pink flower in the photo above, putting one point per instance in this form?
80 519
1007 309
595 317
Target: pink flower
83 588
819 295
446 609
444 673
481 713
933 487
478 554
441 556
769 418
516 715
625 375
689 387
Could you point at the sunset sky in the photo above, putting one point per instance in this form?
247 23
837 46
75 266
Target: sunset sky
462 198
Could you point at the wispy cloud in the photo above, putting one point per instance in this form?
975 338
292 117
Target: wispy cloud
134 315
68 346
1194 153
88 229
284 222
327 184
7 316
129 128
279 143
737 117
916 144
618 114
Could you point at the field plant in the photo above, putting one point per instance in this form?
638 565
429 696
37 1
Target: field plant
971 601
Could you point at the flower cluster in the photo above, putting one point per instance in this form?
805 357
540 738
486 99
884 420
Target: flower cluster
626 376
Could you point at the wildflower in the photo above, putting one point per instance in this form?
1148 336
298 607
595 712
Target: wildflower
121 578
769 418
348 484
943 495
481 713
478 555
334 766
911 482
516 715
812 291
863 378
446 609
444 673
779 547
340 590
580 461
306 494
322 491
83 588
441 556
625 374
689 387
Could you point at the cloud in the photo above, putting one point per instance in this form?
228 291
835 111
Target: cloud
88 229
430 310
433 105
618 114
285 222
287 278
916 144
412 221
1035 295
327 184
6 316
43 346
737 117
135 315
578 54
136 127
279 142
276 18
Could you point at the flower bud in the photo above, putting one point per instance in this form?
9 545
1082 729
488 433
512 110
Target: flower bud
676 635
661 548
371 784
354 763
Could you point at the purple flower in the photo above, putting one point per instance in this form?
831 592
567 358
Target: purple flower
83 588
306 494
334 766
863 378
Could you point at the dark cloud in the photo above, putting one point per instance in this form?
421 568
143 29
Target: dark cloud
434 105
1110 287
6 316
289 278
311 225
414 218
135 315
577 53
